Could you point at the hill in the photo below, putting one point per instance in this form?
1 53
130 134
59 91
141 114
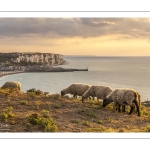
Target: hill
31 112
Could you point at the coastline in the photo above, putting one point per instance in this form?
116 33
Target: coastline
9 73
4 73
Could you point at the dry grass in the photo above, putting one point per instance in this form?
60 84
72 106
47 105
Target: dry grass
55 113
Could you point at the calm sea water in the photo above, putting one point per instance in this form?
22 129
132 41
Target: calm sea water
116 72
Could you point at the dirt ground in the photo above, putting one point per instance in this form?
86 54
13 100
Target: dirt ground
68 114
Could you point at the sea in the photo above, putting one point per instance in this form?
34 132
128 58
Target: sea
115 72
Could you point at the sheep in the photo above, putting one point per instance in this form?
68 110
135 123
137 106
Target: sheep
97 91
76 89
124 107
124 97
12 85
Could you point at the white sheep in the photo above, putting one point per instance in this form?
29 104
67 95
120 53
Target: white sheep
123 97
97 91
76 89
12 84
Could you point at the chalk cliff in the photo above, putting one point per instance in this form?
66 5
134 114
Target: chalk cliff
36 58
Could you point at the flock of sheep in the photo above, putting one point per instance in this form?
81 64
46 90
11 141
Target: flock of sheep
120 97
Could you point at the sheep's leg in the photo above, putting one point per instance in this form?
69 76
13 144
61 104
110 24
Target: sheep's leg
74 96
137 106
124 109
114 107
131 110
89 98
118 108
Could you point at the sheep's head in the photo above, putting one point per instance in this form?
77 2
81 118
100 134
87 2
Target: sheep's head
106 102
63 93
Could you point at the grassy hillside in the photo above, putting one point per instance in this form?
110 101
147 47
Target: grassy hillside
28 112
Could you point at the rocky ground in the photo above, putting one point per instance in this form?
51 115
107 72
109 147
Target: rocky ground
22 112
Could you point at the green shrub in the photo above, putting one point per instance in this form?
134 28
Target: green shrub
7 112
37 104
31 95
86 123
148 128
57 105
24 102
100 121
46 123
45 113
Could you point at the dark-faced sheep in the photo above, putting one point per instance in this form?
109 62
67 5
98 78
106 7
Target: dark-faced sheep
12 85
76 89
123 97
97 91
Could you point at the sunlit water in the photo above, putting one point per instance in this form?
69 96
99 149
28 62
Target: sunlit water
116 72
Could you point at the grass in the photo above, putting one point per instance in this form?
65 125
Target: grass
55 113
8 100
100 129
91 114
110 119
75 121
37 104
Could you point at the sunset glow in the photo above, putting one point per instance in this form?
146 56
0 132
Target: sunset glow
76 36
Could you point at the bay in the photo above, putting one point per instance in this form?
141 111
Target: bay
116 72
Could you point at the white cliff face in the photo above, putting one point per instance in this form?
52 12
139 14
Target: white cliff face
50 59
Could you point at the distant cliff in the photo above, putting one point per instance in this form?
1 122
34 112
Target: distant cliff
31 58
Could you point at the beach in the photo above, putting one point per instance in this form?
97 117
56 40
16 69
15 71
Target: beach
9 73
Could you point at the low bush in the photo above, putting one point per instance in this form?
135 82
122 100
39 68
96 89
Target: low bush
46 123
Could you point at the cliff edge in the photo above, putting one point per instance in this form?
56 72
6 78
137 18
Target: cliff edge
32 58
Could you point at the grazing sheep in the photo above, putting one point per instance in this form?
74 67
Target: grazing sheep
12 85
76 89
124 107
123 97
97 91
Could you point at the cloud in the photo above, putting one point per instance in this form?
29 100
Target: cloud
74 27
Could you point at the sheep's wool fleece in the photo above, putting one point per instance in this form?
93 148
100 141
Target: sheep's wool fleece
122 96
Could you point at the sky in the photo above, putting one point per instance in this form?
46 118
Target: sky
76 36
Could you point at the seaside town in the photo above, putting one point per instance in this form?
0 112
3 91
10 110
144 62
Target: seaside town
11 63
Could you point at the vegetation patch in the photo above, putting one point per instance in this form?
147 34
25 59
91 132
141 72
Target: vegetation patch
7 113
75 121
46 122
86 123
57 105
45 114
24 102
100 122
90 114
